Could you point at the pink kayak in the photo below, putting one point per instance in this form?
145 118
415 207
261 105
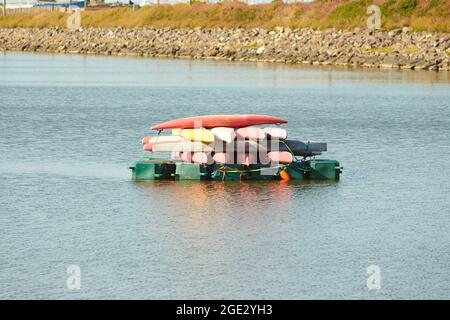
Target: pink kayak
148 146
186 156
145 140
280 156
247 158
202 157
212 121
222 157
250 133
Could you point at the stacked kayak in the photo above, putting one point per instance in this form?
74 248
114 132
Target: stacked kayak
231 147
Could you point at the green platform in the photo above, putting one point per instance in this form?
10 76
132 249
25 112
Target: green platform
228 172
158 169
234 172
317 169
152 169
324 170
192 171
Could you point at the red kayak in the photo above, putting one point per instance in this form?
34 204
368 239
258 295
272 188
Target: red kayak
213 121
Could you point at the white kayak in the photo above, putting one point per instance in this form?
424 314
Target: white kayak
276 133
158 139
224 134
183 146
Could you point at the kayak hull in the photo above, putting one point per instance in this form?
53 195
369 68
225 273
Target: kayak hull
250 133
199 135
276 133
224 134
280 157
184 146
212 121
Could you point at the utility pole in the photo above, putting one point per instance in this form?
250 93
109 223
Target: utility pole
4 7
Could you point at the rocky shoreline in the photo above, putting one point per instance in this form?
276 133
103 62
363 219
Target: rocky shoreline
395 49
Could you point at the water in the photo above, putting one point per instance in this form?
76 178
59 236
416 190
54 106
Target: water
71 125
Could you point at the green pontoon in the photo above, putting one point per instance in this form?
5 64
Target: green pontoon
163 169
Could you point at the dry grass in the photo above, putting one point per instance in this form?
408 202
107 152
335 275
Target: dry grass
421 15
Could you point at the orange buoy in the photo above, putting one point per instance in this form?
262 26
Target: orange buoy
284 175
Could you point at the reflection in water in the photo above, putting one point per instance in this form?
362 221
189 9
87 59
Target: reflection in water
107 71
199 205
234 232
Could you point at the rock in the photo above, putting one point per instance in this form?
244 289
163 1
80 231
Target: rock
260 50
394 32
406 29
331 53
399 48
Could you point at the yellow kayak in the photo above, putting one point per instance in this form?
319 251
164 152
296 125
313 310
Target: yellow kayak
200 135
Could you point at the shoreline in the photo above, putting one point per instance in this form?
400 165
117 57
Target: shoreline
395 49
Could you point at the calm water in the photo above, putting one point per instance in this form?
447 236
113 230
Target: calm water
71 125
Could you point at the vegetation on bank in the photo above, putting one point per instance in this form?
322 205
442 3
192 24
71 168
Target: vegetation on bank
420 15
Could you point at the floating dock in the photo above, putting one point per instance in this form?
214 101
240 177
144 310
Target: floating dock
164 169
232 147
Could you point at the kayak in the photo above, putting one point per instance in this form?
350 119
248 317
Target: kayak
201 135
224 134
176 132
154 140
146 139
280 157
186 156
212 121
276 133
296 147
161 139
183 146
202 157
176 156
301 148
247 158
250 133
149 145
238 146
222 157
